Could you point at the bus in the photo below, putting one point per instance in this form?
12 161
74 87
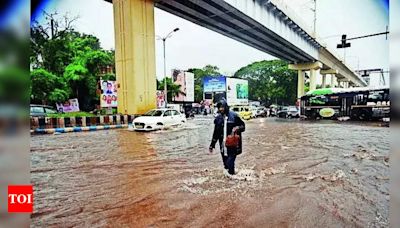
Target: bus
359 103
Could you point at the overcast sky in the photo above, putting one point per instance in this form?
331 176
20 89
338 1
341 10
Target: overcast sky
195 46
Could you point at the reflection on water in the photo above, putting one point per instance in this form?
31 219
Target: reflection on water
291 173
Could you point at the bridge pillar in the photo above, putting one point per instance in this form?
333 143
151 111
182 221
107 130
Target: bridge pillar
135 55
300 83
343 83
323 80
300 67
324 73
333 79
313 79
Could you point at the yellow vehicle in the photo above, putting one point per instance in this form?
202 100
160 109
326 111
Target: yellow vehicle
243 111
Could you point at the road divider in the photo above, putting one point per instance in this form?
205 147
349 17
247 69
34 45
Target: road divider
48 125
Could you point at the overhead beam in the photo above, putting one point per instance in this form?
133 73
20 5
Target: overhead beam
306 66
330 71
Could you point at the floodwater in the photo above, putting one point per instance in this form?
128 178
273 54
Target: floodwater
291 174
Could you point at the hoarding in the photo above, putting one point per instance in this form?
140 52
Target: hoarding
189 87
108 96
72 105
186 82
160 99
214 84
237 91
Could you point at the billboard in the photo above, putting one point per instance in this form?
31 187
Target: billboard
214 84
108 96
189 86
72 105
160 99
237 91
186 81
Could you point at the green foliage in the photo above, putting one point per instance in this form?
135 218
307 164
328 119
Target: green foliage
270 81
199 74
47 87
68 57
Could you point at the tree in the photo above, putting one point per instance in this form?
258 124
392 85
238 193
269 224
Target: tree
47 87
270 81
74 57
199 74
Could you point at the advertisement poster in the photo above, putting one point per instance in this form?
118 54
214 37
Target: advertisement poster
237 91
72 105
186 81
108 97
189 87
160 99
214 84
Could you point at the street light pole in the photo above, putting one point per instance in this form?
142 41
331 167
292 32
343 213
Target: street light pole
165 65
165 76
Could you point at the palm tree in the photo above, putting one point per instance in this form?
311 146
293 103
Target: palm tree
173 89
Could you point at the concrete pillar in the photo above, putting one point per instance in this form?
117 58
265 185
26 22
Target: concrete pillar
313 79
135 55
333 81
300 83
323 80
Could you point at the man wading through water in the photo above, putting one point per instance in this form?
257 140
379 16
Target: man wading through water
230 140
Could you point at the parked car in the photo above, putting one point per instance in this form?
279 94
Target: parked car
289 112
156 119
243 111
253 110
41 110
261 111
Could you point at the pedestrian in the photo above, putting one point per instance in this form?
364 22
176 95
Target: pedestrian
227 124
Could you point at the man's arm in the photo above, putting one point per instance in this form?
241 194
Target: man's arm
216 136
218 130
240 124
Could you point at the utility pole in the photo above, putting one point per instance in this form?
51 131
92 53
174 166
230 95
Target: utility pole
315 18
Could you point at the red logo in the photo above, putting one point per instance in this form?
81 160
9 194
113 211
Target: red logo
20 198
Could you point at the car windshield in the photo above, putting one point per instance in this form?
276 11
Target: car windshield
153 113
293 109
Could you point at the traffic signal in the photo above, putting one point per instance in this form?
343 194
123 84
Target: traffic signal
343 44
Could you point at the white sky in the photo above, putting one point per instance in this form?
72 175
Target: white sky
195 46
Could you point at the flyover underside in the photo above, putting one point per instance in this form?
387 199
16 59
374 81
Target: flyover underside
219 16
343 72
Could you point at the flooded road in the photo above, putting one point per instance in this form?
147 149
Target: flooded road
291 174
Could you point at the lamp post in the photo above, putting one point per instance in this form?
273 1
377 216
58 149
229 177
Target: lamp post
165 67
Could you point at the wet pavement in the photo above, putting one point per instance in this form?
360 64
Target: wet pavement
291 174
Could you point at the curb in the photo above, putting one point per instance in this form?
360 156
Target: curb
77 129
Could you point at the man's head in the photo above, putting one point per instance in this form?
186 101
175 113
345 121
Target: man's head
222 106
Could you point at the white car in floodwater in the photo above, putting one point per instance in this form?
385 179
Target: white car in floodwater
157 119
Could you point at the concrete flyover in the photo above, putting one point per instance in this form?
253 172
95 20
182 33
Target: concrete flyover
267 25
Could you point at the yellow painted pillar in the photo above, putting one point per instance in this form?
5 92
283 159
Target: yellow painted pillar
135 55
313 79
300 83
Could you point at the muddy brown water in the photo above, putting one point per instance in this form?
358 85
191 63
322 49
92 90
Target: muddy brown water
291 174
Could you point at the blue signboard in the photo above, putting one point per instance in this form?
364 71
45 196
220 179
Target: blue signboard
214 84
